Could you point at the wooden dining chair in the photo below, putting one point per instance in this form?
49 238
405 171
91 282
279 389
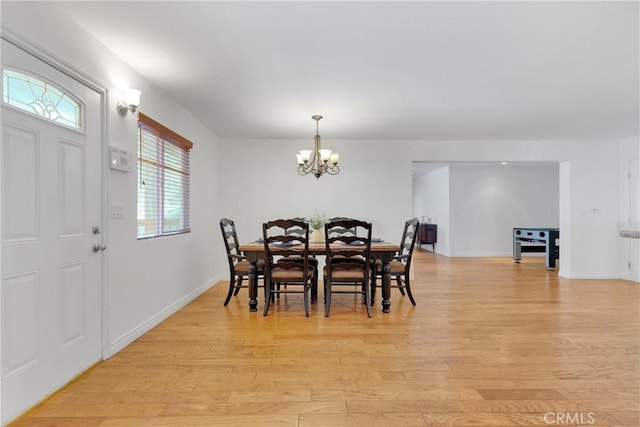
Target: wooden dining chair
298 231
400 265
287 261
238 264
348 260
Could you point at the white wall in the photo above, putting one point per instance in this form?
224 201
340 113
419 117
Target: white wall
487 202
431 199
630 207
267 186
149 279
594 195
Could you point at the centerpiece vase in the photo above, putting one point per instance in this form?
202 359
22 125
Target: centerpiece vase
317 235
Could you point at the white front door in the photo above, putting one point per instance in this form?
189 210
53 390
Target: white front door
50 285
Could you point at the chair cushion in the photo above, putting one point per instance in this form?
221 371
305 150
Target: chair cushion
397 267
347 275
242 267
289 275
353 274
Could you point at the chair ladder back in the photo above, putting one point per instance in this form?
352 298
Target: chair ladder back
347 244
343 230
230 236
286 250
409 235
295 230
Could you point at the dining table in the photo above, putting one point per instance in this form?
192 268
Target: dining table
381 250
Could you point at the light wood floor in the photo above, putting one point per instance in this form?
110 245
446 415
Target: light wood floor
490 343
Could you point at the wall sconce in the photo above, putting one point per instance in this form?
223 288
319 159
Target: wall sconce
130 102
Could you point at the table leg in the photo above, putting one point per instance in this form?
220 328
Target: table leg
386 258
253 281
386 287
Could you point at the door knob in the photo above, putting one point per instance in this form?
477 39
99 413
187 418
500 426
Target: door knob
98 247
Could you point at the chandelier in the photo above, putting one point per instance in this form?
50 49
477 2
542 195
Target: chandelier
317 161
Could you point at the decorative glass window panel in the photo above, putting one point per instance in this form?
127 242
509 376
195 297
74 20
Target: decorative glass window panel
163 180
35 96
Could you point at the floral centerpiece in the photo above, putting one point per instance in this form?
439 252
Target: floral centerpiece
316 222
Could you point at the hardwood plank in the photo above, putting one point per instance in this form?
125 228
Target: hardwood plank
73 421
521 394
256 408
485 406
370 420
205 421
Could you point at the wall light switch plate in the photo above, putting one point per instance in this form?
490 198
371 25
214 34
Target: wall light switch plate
117 211
119 159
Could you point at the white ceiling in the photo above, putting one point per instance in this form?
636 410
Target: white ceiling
385 70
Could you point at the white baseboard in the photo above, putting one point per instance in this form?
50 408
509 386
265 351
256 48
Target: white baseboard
129 337
594 275
481 254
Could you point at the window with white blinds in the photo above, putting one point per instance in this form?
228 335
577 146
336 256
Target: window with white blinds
163 180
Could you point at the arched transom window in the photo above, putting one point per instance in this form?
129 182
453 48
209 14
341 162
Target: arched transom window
35 96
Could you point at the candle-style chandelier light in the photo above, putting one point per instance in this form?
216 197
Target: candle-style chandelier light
317 161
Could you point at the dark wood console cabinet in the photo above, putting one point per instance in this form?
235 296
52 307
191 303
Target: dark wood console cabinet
428 235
